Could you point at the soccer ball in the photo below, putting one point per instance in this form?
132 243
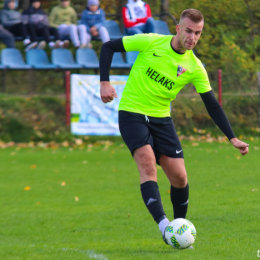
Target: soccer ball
180 233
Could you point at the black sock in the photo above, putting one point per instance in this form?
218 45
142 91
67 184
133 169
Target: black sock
180 199
152 200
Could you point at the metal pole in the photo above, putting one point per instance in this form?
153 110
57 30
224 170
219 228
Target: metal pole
258 75
164 9
67 85
220 86
3 80
33 80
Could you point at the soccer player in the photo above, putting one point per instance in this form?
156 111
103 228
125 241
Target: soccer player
163 67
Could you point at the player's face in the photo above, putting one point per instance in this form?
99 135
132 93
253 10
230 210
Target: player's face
189 33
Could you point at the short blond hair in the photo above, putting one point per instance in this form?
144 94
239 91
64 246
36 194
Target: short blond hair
194 15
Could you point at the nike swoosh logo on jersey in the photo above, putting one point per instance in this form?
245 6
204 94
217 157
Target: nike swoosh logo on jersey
156 55
178 151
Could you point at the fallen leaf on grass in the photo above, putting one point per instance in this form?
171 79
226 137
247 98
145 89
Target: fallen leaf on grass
84 162
13 153
76 198
27 188
38 203
65 144
78 141
33 166
63 183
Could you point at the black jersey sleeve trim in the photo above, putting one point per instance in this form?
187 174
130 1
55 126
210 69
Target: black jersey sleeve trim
217 114
106 55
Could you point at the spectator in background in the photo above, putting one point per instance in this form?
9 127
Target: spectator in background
12 21
36 16
137 17
93 17
6 37
64 18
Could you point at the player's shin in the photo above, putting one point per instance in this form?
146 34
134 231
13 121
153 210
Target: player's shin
180 199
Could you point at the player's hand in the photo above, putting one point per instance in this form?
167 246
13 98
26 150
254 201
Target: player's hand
243 147
107 92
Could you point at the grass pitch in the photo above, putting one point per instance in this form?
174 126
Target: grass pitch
85 203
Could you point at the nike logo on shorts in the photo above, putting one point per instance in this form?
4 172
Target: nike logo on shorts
156 55
178 151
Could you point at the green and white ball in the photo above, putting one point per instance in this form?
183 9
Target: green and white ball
180 233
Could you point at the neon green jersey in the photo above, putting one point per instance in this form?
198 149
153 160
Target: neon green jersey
158 74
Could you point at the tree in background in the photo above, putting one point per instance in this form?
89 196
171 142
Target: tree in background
230 40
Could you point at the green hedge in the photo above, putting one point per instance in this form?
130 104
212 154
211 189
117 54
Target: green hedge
24 119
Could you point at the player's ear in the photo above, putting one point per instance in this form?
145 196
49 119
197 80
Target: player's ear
177 28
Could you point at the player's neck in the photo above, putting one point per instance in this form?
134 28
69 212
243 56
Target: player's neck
176 46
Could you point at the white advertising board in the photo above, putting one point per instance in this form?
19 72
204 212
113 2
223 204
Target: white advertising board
89 115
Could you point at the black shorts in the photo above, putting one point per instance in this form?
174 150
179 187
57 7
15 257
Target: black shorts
138 130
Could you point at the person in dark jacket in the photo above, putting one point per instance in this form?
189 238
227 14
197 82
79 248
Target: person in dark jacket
93 17
12 21
6 37
35 15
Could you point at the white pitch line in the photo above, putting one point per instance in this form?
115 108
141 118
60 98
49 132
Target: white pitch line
92 254
89 253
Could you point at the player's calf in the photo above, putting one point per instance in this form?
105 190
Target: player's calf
180 200
152 199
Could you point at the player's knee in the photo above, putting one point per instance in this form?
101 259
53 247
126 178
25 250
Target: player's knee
181 180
